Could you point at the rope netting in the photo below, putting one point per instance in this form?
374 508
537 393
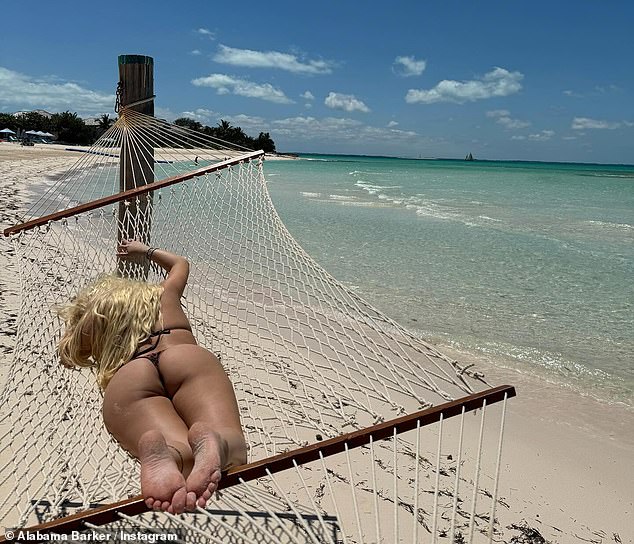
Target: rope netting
309 359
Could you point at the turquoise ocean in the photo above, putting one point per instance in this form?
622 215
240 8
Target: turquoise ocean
530 265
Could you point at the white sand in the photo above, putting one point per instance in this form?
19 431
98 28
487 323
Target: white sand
567 460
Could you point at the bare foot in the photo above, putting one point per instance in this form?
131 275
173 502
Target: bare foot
210 453
162 484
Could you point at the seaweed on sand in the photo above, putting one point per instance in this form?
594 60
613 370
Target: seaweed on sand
528 535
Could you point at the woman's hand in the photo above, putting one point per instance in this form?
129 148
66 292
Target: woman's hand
131 247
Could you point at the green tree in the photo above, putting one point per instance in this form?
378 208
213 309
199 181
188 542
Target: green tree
8 121
35 121
26 121
228 133
189 123
223 130
104 123
71 128
265 143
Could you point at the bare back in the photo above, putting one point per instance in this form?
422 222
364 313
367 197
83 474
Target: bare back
174 320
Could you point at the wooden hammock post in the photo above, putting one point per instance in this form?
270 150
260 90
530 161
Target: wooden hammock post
135 92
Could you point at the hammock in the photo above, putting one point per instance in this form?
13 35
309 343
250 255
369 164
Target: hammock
309 361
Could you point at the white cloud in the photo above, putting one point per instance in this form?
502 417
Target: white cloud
409 66
542 136
498 82
249 123
202 115
518 137
596 91
339 129
503 117
401 133
20 91
165 113
311 127
195 52
583 123
308 96
574 94
512 124
392 124
206 32
271 59
346 102
225 84
602 89
498 113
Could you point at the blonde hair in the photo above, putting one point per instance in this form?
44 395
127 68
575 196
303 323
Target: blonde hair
105 323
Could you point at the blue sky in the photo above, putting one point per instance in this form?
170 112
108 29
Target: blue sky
503 80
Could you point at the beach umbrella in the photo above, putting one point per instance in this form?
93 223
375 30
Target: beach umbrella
32 132
7 131
47 134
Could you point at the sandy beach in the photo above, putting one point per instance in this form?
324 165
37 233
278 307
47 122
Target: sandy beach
566 460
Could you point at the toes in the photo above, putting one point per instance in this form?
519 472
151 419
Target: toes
190 503
179 501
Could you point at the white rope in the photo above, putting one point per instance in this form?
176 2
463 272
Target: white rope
301 519
498 464
452 534
236 505
416 483
305 354
476 477
437 483
136 521
310 498
138 102
354 494
265 508
377 517
395 465
333 496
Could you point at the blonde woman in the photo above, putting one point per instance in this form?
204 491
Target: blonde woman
166 399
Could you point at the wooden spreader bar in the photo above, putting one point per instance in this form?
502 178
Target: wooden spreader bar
131 193
277 463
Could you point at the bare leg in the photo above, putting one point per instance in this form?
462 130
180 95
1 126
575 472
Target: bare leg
203 396
145 423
